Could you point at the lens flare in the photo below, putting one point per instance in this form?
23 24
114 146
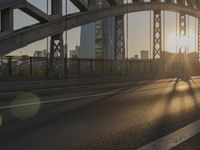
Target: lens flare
25 106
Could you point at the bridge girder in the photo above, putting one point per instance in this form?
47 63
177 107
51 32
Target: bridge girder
7 14
182 25
34 12
56 66
197 4
12 41
4 4
81 5
157 34
7 20
198 52
119 43
112 2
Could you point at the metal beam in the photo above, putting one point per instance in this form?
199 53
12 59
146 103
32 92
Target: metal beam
99 40
80 4
198 39
10 3
12 41
189 3
181 2
182 25
112 2
119 44
197 4
157 35
170 1
81 18
56 66
34 12
56 7
6 20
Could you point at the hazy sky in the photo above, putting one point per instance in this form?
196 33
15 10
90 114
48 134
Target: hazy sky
138 31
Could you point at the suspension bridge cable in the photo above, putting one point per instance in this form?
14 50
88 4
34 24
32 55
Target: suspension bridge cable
195 32
66 36
176 31
127 31
47 42
164 31
47 37
150 30
188 34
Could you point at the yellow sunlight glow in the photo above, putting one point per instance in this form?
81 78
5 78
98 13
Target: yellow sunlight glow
175 43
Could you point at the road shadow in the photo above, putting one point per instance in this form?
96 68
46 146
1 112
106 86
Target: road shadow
172 121
51 114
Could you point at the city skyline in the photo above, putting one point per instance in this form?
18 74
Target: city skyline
138 35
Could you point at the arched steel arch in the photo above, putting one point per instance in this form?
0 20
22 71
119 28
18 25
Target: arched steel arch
20 38
79 19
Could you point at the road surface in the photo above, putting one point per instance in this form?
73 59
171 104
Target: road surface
151 114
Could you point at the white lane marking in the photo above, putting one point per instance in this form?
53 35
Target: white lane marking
175 138
7 93
72 87
49 89
58 100
71 98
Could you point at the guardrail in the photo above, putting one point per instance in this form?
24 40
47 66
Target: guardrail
11 66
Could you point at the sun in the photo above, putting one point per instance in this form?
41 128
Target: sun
186 42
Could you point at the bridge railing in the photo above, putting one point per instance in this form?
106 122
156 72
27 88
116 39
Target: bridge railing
24 66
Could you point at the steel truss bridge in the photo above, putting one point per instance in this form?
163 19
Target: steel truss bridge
55 24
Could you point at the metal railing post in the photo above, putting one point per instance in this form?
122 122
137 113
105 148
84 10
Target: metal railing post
91 65
31 66
9 65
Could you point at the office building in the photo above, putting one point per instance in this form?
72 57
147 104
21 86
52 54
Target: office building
144 54
89 35
74 53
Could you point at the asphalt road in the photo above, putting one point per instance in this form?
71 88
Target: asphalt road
117 116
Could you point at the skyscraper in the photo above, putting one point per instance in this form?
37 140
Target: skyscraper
87 41
98 38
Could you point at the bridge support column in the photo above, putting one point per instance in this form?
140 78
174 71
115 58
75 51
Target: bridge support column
57 57
157 35
57 62
119 44
99 41
182 27
7 20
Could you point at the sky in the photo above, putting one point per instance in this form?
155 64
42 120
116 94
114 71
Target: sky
138 31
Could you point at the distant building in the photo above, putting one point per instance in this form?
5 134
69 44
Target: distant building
144 54
88 35
136 57
87 41
77 48
75 53
42 53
